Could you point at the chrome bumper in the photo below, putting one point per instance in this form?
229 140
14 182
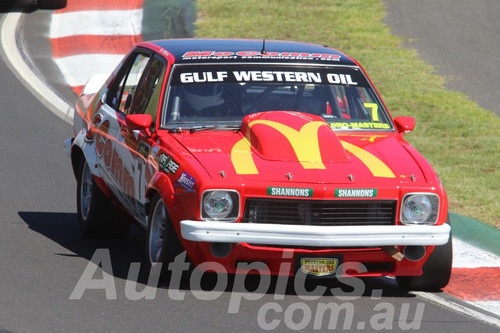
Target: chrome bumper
306 235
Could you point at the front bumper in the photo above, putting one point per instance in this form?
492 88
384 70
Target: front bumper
322 236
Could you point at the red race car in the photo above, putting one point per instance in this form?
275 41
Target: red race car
242 151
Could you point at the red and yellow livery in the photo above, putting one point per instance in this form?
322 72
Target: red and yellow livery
241 151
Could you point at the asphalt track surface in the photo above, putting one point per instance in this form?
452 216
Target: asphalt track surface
459 38
43 256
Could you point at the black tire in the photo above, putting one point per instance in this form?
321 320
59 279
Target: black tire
436 270
96 215
162 244
52 4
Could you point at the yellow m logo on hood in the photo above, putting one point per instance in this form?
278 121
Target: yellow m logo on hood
305 144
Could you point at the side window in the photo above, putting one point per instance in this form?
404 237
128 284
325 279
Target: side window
121 95
147 94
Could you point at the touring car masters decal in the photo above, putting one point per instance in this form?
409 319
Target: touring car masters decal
319 266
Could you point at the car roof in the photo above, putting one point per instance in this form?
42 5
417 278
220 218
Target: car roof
193 50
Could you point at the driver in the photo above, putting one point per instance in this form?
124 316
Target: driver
203 99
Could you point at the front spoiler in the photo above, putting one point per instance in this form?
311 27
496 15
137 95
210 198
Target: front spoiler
322 236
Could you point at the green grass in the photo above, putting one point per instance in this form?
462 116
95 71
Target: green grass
460 139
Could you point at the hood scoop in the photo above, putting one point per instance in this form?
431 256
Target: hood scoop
293 136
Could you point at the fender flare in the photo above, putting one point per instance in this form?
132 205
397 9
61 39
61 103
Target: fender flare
162 184
87 148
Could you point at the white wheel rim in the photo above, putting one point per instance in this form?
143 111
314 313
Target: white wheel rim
157 231
85 192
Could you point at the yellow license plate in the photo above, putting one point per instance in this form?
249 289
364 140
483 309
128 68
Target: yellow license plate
319 266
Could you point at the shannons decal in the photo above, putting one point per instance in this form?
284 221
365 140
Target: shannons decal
290 192
305 143
355 193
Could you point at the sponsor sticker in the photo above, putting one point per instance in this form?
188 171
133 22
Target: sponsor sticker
266 76
259 55
143 149
155 151
289 192
167 163
187 181
274 74
356 125
356 193
319 266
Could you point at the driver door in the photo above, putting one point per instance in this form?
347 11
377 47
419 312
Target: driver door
147 99
136 89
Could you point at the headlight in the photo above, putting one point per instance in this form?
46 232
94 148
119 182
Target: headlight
419 208
220 205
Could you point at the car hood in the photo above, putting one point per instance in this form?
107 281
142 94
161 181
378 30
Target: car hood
298 147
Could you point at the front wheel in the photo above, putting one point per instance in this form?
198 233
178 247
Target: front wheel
436 270
162 244
96 215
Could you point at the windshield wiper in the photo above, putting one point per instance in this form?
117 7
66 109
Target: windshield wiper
210 127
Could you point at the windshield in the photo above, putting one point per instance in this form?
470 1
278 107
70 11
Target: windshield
212 95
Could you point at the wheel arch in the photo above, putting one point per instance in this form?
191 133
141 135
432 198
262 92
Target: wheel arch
150 194
76 158
436 271
162 185
82 148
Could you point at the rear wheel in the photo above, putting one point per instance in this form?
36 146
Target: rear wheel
436 270
96 216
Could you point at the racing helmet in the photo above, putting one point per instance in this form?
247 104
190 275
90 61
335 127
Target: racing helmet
201 96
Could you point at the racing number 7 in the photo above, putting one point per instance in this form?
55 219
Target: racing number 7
374 110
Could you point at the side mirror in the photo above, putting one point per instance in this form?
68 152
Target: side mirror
141 122
405 124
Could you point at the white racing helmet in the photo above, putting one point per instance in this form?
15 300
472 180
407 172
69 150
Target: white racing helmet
201 96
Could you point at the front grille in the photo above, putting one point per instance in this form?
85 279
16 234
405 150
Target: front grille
320 212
